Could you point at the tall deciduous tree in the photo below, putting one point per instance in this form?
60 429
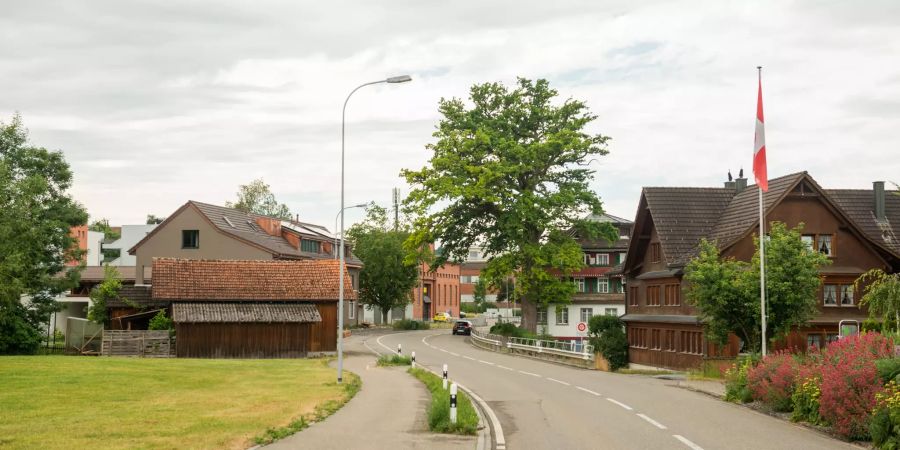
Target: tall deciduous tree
107 290
509 171
389 272
726 292
36 213
881 294
256 198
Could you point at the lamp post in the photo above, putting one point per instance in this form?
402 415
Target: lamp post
339 214
340 339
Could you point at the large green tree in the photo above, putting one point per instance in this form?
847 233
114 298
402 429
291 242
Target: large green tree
726 291
36 213
256 198
881 294
390 271
509 171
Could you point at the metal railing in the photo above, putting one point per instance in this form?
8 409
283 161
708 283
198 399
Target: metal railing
487 338
566 348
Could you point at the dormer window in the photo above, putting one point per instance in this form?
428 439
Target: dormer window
310 246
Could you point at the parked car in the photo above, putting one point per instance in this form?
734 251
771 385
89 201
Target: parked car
442 317
462 327
462 314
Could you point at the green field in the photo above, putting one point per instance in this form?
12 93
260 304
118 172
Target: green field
92 402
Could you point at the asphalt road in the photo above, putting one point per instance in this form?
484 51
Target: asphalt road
542 405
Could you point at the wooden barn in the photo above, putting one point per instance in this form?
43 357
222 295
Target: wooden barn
251 309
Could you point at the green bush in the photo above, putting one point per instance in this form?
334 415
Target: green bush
161 322
439 409
884 426
408 324
888 369
510 330
806 401
608 338
467 308
736 389
394 360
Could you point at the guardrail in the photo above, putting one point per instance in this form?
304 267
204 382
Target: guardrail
574 353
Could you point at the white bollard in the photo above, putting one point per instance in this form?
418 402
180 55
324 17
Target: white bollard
414 359
453 403
399 349
445 377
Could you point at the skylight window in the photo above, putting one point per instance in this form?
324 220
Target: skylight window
228 222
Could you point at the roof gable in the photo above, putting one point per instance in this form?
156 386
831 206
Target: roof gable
683 216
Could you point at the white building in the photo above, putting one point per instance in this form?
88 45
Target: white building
131 235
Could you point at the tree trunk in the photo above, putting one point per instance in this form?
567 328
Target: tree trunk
384 314
529 315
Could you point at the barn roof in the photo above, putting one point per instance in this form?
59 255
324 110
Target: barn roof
218 312
245 280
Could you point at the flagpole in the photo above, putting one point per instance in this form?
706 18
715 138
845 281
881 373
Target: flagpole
762 254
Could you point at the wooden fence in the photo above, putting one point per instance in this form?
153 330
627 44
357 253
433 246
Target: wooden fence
138 343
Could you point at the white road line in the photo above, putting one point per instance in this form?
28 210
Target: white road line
486 362
469 357
620 403
454 354
529 373
587 390
652 422
366 343
504 367
685 441
558 381
445 351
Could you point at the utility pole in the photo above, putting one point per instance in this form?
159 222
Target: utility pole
396 208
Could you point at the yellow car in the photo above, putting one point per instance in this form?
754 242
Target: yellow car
441 317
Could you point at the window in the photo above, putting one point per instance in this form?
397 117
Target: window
654 252
814 340
673 295
691 342
473 255
654 339
562 315
542 316
579 285
637 337
669 343
586 314
809 240
190 238
653 295
611 311
633 294
831 337
603 259
603 285
825 245
307 245
351 313
829 295
846 295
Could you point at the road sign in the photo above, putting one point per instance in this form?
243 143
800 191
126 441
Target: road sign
582 326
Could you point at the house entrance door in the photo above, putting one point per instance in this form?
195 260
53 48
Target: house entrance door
426 310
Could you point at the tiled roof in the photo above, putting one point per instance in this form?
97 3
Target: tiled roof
131 295
685 215
858 205
259 280
245 312
126 273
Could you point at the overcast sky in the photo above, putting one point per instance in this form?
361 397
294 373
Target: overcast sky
157 103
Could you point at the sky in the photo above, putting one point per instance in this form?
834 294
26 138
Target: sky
158 103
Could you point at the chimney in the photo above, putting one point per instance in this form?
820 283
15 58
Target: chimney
878 189
730 183
270 225
740 184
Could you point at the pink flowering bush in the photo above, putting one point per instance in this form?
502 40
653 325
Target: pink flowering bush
773 380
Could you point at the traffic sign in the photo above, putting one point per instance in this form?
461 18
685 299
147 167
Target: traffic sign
582 326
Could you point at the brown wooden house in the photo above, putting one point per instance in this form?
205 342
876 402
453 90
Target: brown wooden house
855 228
251 309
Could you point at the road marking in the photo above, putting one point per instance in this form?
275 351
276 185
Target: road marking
685 441
504 367
587 390
557 381
620 403
486 362
652 422
454 354
445 351
529 373
469 357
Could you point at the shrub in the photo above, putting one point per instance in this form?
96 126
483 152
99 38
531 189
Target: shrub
161 322
736 389
888 369
409 324
608 338
394 359
772 380
850 382
806 401
885 423
510 330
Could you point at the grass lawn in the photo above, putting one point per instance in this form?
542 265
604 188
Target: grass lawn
91 402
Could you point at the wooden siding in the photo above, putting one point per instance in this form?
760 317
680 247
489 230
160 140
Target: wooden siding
259 340
674 346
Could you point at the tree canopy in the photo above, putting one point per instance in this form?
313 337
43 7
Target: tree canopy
881 294
256 198
510 171
726 291
36 214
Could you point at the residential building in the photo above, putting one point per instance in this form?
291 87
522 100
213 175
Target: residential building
469 274
202 231
437 291
854 228
76 302
129 236
90 242
599 289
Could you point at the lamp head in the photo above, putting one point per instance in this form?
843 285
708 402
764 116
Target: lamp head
399 79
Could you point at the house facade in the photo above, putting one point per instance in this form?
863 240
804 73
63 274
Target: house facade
470 273
854 228
129 236
438 291
203 231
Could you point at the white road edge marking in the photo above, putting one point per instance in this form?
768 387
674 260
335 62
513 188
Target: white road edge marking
470 358
454 354
486 362
587 390
685 441
651 421
620 404
445 351
558 381
504 367
529 373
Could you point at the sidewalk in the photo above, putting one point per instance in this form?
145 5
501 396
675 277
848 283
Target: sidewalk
711 387
389 412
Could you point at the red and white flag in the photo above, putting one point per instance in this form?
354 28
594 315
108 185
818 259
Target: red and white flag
759 146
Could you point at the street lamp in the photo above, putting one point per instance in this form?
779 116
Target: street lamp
340 341
361 205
